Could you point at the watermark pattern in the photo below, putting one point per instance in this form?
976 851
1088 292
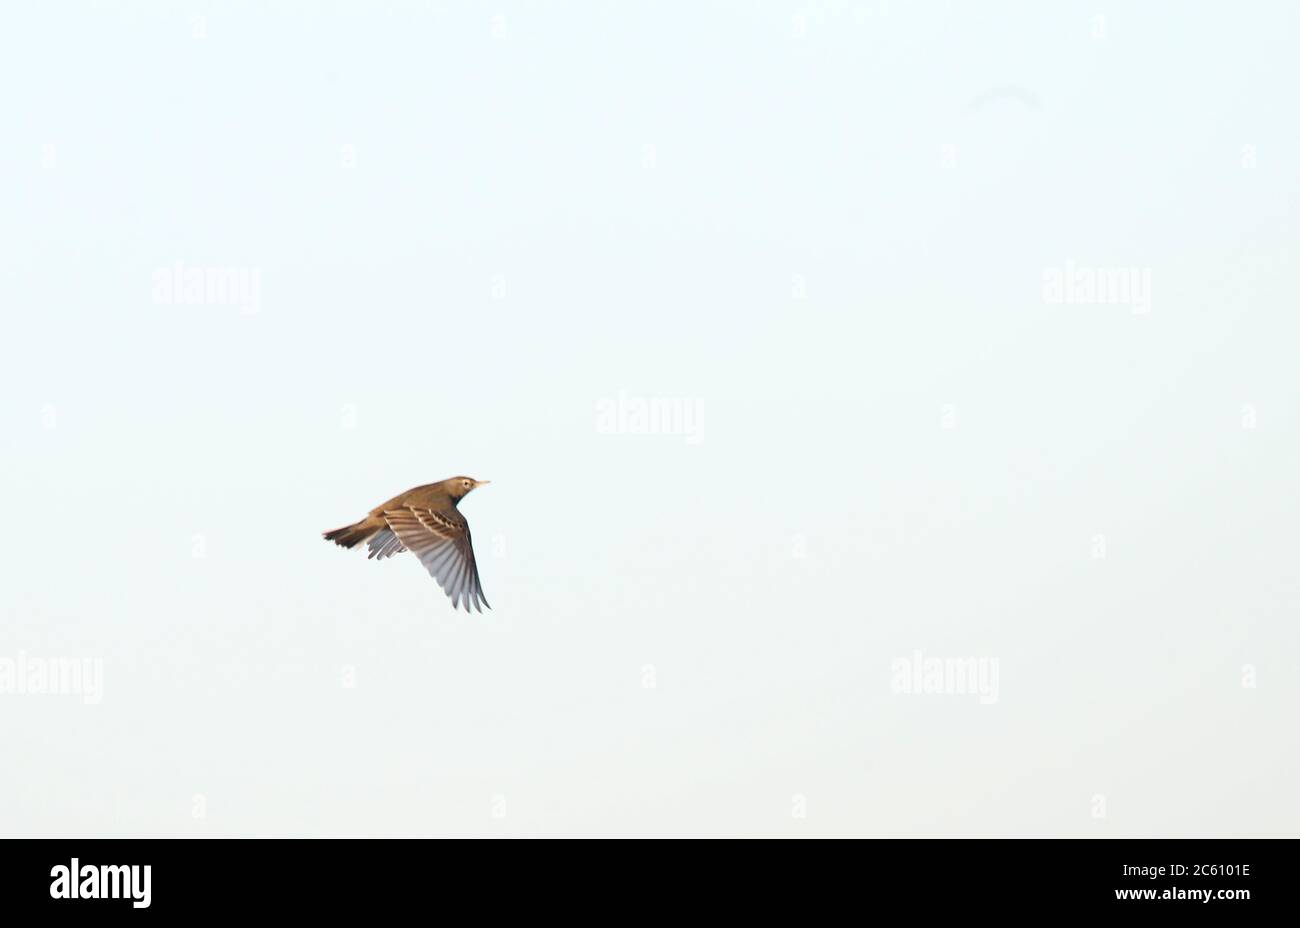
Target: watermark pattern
28 675
1074 285
179 285
919 675
798 546
651 415
1098 547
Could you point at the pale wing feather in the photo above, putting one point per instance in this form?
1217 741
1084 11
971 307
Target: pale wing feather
384 543
442 542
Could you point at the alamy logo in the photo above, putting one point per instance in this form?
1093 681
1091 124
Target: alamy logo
103 882
29 675
179 285
946 676
626 414
1122 286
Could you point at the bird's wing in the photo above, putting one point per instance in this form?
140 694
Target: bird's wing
441 540
384 543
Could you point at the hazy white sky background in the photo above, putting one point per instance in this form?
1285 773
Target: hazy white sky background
828 227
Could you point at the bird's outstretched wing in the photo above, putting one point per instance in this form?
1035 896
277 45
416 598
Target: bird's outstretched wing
441 540
384 543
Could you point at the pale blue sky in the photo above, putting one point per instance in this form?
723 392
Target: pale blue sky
827 225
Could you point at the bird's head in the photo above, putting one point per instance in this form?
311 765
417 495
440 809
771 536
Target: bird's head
459 487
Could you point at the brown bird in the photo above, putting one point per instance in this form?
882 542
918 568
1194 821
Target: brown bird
426 521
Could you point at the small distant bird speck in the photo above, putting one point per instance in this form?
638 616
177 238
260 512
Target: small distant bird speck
426 521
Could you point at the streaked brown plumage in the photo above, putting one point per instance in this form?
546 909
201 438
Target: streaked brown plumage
426 521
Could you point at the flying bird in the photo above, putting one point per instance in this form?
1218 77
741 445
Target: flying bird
425 520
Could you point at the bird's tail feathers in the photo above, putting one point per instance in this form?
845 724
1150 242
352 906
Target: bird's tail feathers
351 535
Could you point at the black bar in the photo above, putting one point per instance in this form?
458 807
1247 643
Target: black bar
369 877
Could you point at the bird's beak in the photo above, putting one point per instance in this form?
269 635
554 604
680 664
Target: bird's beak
479 483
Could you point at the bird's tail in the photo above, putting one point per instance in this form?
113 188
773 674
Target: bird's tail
351 535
